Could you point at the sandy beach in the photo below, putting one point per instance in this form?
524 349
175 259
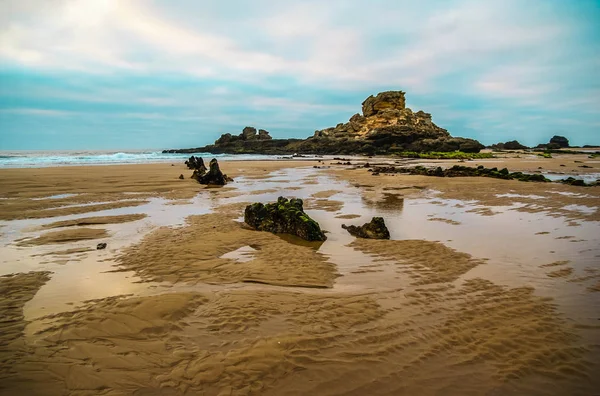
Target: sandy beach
486 287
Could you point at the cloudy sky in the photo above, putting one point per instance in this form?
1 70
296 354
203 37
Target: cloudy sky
110 74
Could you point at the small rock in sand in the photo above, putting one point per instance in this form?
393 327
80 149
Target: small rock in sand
101 246
376 229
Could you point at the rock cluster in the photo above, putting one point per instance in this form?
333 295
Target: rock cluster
388 125
283 217
510 145
463 171
556 143
375 229
214 176
248 134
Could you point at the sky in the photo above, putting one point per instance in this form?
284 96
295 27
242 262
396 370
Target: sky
124 74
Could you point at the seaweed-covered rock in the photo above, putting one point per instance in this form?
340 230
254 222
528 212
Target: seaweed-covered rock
579 182
214 176
283 217
464 171
375 229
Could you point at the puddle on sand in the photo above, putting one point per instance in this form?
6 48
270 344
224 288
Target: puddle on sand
506 237
85 276
57 196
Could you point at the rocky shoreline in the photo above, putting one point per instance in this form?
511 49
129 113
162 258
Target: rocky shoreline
386 126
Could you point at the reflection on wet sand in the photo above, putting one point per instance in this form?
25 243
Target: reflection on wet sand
479 293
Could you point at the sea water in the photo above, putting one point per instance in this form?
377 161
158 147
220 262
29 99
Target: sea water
35 159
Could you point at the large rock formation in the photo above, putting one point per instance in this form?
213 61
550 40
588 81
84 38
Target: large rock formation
283 217
386 126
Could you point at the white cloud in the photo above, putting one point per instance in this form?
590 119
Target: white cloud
36 112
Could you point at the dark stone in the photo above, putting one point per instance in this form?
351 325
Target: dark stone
214 176
263 135
249 133
573 182
181 177
510 145
561 141
196 163
283 217
101 246
376 229
463 171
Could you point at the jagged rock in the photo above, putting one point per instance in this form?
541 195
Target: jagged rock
283 217
385 127
375 229
101 246
225 138
214 176
263 135
383 101
196 163
561 141
510 145
249 133
181 177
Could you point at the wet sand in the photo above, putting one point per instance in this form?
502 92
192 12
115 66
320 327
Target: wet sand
486 287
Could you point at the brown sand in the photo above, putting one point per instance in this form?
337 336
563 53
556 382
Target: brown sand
65 236
85 221
323 204
107 184
325 194
192 254
475 339
447 221
16 290
268 326
427 262
347 216
549 198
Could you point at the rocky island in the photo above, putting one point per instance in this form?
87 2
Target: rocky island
386 126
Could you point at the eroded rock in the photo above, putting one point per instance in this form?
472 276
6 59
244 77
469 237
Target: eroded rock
196 163
375 229
214 176
283 217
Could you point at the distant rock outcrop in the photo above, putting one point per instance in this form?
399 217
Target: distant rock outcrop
556 143
386 126
510 145
283 217
561 141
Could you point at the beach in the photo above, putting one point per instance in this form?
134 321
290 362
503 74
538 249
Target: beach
486 286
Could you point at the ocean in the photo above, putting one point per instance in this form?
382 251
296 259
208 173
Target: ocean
37 159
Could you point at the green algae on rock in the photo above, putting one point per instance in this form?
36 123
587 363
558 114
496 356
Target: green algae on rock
375 229
464 171
283 217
